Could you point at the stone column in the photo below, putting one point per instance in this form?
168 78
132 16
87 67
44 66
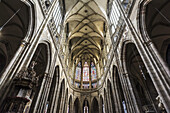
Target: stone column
90 79
71 107
157 70
116 97
109 101
74 73
81 107
55 91
106 104
131 98
62 105
127 91
81 84
37 107
90 107
57 98
44 97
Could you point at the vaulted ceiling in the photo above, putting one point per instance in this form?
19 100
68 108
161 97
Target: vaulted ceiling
86 28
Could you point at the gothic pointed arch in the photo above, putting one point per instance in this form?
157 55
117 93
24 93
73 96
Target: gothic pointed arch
140 80
53 89
110 94
119 88
95 106
66 102
42 58
102 108
76 106
70 105
154 25
106 101
86 28
15 26
86 106
61 96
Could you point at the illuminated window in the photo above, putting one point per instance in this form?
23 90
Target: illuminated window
78 71
93 72
94 85
114 16
57 16
77 85
85 86
86 72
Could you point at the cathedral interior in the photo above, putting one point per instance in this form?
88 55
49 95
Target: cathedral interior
84 56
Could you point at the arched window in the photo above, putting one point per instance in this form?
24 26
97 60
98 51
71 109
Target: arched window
93 72
57 16
114 17
77 85
94 85
78 72
86 72
85 106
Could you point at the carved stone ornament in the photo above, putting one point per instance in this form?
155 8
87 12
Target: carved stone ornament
27 77
160 103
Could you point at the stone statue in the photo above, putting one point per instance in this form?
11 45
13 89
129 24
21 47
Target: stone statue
28 74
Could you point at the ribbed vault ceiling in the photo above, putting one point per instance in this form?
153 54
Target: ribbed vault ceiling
86 30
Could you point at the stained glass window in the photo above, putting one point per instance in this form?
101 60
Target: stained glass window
57 16
77 85
93 72
94 85
85 86
78 71
86 72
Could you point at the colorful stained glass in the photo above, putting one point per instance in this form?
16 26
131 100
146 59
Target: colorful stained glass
86 72
85 86
77 85
71 81
94 85
93 72
78 71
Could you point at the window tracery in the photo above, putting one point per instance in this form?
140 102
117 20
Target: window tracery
93 72
85 75
86 72
78 72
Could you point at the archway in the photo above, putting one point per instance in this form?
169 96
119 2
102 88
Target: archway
76 106
41 57
106 102
66 102
70 110
110 94
142 85
85 106
61 97
95 106
102 109
53 89
16 25
116 81
154 23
